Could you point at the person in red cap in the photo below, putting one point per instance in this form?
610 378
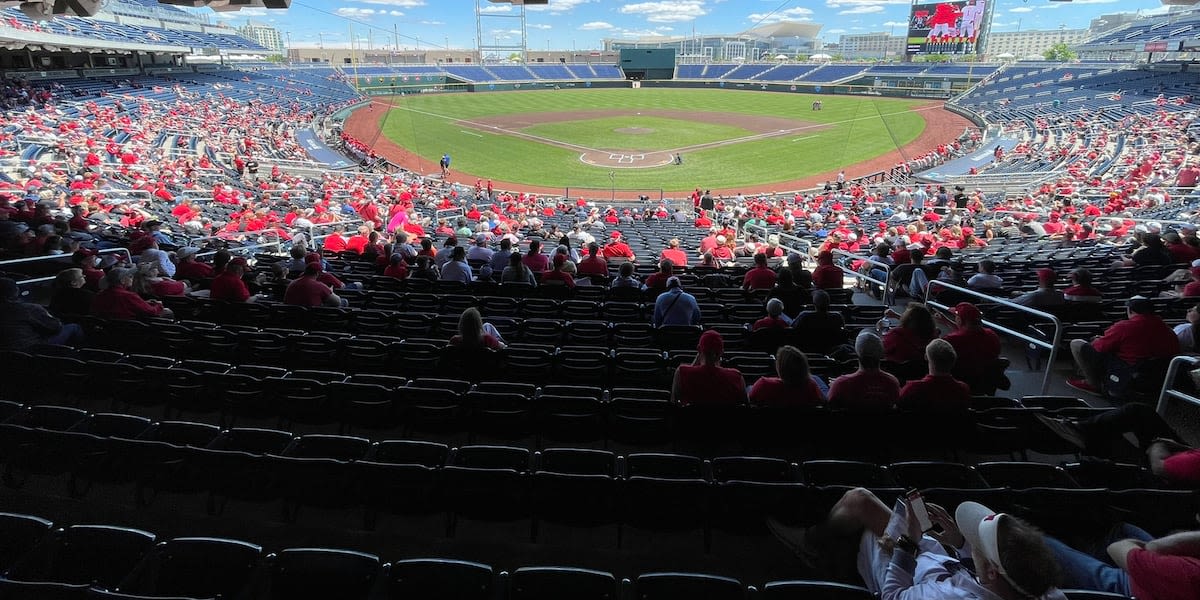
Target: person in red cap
938 391
977 348
617 248
1045 296
306 290
705 382
827 276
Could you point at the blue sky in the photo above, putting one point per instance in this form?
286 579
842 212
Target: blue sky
582 24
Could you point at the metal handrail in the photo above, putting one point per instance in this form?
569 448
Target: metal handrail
801 245
1052 346
14 261
887 269
1168 392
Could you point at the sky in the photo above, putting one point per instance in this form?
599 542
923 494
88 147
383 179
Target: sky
583 24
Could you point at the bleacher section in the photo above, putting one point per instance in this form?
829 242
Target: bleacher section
95 29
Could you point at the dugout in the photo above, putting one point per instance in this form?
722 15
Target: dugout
648 63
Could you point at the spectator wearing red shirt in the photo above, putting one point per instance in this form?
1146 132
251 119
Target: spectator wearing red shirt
228 286
869 389
474 333
775 317
1180 251
761 277
534 259
827 276
938 391
976 346
557 276
657 281
118 301
187 268
1123 347
397 267
705 382
1081 289
618 248
335 242
308 291
794 387
593 265
1192 289
674 254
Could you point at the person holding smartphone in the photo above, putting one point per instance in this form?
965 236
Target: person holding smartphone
902 556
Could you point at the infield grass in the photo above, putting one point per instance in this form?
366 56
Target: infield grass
854 129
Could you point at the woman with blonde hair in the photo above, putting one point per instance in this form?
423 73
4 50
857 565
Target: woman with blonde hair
148 283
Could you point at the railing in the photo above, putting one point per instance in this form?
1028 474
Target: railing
266 233
887 272
22 282
1052 345
1168 392
801 245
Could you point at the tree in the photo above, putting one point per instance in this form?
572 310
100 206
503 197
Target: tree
1060 52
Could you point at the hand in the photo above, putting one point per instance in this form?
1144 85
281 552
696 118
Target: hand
950 534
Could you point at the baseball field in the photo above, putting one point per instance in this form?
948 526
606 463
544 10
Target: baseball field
631 138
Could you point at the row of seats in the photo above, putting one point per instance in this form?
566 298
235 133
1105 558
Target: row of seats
505 409
578 487
110 562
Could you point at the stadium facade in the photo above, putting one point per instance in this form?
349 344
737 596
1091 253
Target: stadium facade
788 38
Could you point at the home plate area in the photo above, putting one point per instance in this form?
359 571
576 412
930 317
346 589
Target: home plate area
627 160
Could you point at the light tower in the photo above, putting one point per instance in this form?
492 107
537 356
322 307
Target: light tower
502 20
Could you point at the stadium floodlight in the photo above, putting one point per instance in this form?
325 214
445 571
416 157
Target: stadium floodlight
42 10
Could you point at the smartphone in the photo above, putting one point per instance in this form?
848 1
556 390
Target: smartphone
920 513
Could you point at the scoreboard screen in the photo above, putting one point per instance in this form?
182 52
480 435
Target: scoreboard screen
955 27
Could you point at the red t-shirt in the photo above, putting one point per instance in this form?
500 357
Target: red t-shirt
538 263
167 287
335 243
488 341
676 256
228 287
935 393
399 271
120 303
1183 467
827 277
306 291
977 349
618 250
592 265
1192 289
563 276
902 344
865 391
772 391
710 385
1138 338
1154 576
769 321
759 278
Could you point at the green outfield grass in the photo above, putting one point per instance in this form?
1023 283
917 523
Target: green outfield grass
857 128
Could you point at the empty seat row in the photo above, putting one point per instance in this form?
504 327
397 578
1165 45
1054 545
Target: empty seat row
99 562
505 483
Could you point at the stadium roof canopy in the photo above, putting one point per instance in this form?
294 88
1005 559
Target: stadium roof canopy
785 29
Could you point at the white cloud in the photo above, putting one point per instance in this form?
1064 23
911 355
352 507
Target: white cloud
595 26
1020 9
791 14
496 8
666 11
432 22
664 28
835 31
880 3
539 26
558 6
350 11
634 33
399 3
895 23
862 10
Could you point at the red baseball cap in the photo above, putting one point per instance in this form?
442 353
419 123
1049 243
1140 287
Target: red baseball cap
711 342
968 311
